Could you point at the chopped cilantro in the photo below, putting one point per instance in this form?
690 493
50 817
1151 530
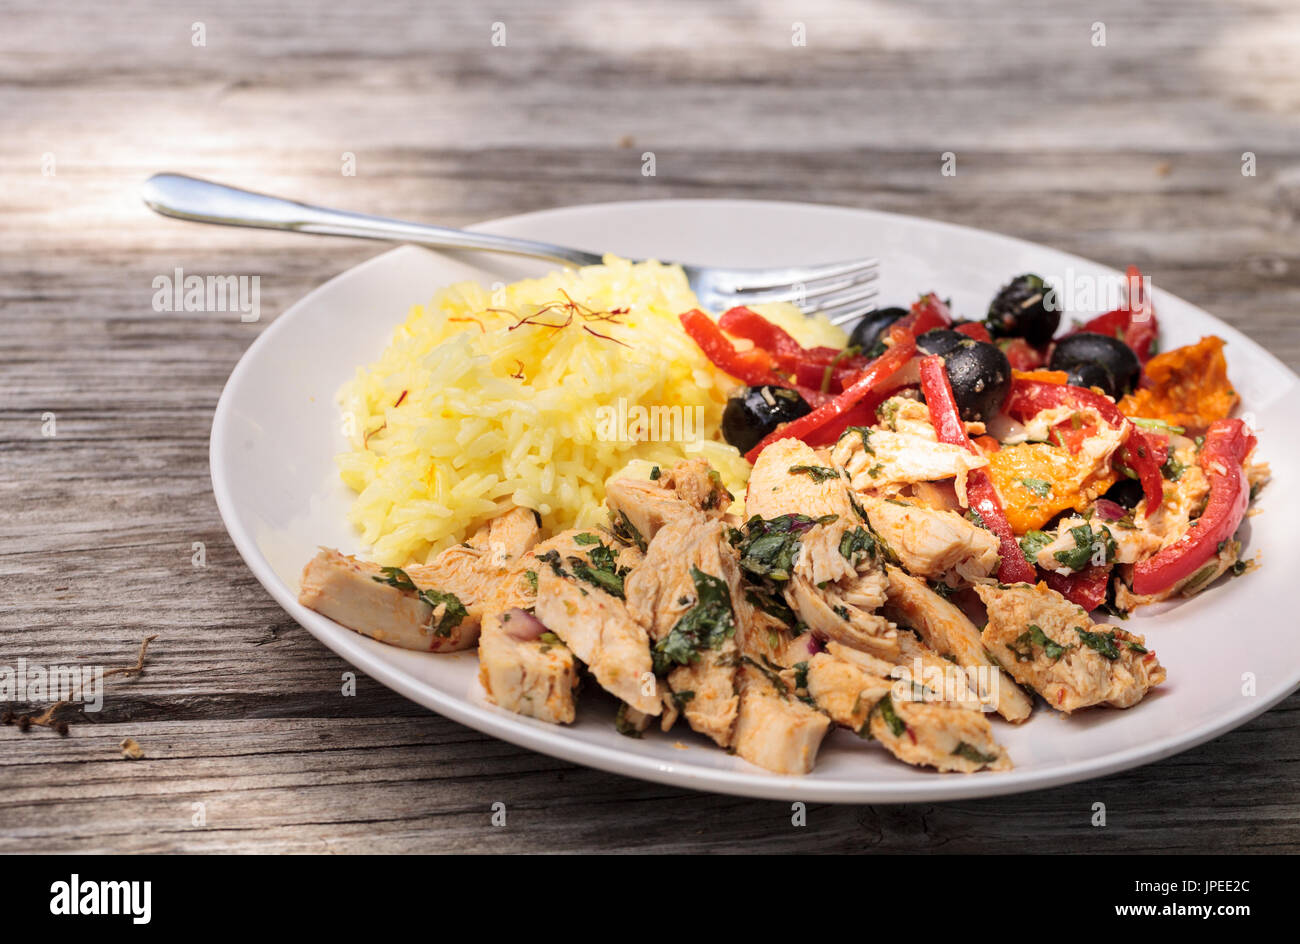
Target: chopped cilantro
855 542
454 611
1033 542
770 545
1103 643
1023 647
886 708
1040 487
705 626
818 473
973 755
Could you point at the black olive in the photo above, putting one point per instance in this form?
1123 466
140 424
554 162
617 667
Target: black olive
756 411
980 375
869 332
940 340
1112 354
1091 374
1021 310
1126 492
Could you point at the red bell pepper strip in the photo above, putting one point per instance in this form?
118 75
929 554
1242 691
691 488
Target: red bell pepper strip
1087 588
974 329
875 374
1135 323
980 491
1227 443
928 312
1021 354
1139 452
789 354
754 367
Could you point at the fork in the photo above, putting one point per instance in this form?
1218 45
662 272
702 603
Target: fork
842 291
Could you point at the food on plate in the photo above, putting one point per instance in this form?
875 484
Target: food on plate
911 534
533 395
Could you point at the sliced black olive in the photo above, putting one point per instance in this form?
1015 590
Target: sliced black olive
1126 492
1091 374
1021 310
756 411
1112 354
869 332
980 375
941 340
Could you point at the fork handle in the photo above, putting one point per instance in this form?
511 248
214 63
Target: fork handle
190 198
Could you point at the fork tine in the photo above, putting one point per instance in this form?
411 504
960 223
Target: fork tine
848 313
805 294
859 293
778 278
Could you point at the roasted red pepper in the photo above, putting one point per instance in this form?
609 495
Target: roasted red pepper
1141 453
1134 323
1087 588
980 493
872 378
1227 444
754 367
928 312
974 329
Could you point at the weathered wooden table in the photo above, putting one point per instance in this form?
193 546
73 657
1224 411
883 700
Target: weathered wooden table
1131 151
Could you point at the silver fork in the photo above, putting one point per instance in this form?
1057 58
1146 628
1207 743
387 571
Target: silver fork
843 291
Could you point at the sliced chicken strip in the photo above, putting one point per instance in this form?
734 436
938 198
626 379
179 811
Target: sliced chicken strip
688 487
529 675
774 729
934 544
434 607
834 587
933 734
596 626
1050 645
663 596
355 594
946 630
887 459
523 667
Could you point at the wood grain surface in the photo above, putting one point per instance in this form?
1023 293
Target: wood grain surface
1127 152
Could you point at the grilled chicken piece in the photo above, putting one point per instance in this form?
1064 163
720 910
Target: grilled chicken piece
350 592
774 729
690 486
889 459
1050 645
662 592
1131 544
858 695
358 594
526 673
594 623
835 596
522 666
933 544
946 630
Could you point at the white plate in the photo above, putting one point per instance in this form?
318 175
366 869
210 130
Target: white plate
1231 653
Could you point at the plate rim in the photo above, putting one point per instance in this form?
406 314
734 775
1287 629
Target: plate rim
540 737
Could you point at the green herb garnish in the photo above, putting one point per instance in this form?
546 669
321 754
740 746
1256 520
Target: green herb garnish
705 626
